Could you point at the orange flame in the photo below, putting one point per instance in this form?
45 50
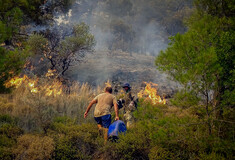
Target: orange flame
55 89
15 81
151 93
50 73
108 84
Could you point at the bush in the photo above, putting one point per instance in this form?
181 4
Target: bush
211 156
6 119
133 145
34 147
185 100
158 153
8 135
6 153
11 131
73 141
6 145
166 132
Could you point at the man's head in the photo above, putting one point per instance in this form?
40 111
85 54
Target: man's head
109 89
126 87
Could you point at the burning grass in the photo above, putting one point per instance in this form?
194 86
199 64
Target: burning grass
35 102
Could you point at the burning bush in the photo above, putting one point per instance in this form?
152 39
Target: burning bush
151 93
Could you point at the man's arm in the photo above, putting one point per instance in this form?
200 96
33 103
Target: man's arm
89 107
116 111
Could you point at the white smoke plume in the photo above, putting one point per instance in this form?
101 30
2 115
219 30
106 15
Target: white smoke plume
118 25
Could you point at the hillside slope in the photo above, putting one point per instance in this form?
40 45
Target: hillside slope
120 67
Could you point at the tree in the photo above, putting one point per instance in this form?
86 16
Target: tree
63 49
119 8
195 59
225 46
14 14
11 64
123 36
220 8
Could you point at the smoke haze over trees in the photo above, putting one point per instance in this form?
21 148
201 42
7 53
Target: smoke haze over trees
129 25
125 25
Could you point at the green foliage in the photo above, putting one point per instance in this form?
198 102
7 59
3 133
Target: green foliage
166 132
226 56
11 64
3 34
158 153
73 141
6 153
191 58
30 8
82 40
63 53
11 131
6 119
185 100
202 59
8 135
124 36
216 7
211 156
119 8
10 22
38 44
63 120
6 141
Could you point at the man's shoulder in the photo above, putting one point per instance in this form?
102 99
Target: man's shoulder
101 94
106 95
111 95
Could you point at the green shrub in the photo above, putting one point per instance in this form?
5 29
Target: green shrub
165 132
11 131
184 99
34 147
6 153
133 145
73 141
6 141
158 153
6 119
211 156
63 120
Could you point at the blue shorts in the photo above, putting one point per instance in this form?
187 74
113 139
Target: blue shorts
105 120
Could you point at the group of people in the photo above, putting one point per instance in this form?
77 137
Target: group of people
104 103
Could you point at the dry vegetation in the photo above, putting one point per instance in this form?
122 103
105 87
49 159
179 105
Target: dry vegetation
37 126
36 110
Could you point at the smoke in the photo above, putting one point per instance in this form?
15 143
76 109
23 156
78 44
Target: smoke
130 26
151 40
118 27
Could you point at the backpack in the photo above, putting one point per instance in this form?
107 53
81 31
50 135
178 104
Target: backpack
119 103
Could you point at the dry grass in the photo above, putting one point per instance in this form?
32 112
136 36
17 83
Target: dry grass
36 110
